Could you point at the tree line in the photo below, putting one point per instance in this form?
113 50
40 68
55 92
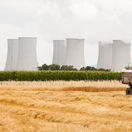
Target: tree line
55 67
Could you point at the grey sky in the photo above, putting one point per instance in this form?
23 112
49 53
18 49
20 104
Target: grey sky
93 20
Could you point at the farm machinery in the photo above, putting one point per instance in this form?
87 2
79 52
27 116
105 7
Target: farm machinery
127 79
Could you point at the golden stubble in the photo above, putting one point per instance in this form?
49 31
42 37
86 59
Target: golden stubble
89 86
75 106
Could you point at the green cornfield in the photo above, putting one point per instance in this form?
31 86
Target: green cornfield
58 75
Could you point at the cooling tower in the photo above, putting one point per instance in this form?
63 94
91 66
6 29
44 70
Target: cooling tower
59 52
11 63
121 55
75 53
105 56
27 57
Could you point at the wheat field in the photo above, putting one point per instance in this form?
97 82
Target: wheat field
65 107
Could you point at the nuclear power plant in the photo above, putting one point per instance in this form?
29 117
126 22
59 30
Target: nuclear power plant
22 54
59 52
69 52
105 55
115 56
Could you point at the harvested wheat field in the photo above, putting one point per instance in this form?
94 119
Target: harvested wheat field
65 107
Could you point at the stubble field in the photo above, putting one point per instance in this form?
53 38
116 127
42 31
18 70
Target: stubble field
65 107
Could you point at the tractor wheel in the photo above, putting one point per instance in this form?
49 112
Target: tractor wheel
129 91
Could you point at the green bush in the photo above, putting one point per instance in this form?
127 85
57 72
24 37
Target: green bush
58 75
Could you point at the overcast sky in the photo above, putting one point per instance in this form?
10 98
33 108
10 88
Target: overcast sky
94 20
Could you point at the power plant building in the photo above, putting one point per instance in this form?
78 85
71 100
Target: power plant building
121 56
27 55
69 52
22 54
105 55
59 52
11 62
115 56
75 53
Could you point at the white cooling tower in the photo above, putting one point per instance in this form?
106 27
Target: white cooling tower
11 63
27 57
105 56
121 55
75 53
59 52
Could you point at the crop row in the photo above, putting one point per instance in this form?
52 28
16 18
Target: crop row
58 75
